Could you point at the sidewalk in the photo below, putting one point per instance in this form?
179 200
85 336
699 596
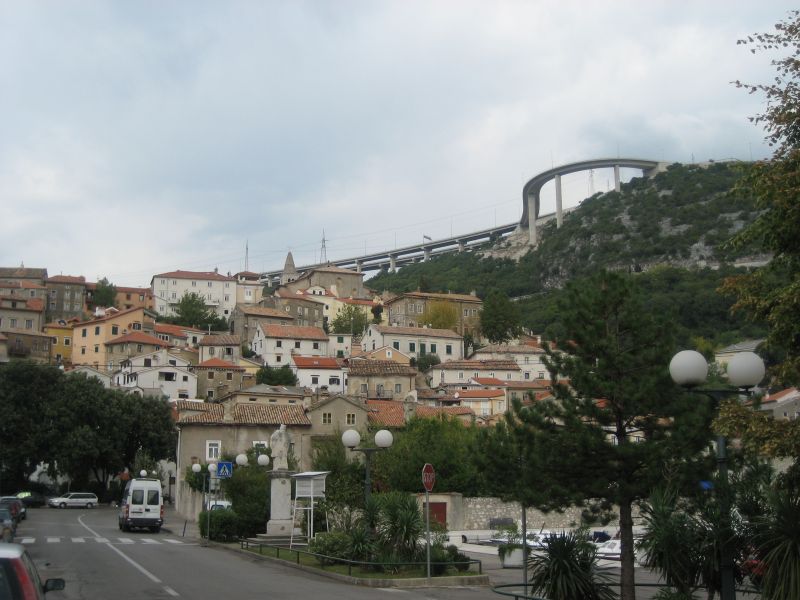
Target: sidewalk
178 525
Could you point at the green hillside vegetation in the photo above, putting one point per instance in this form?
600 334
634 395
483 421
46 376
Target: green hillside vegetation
662 230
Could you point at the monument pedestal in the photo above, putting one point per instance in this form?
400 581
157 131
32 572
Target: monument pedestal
280 522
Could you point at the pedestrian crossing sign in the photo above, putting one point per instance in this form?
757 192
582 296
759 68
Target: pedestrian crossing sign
224 470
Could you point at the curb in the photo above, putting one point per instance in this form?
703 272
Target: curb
416 582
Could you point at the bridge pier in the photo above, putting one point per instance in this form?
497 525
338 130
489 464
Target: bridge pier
392 263
617 186
532 206
461 245
358 265
559 203
427 253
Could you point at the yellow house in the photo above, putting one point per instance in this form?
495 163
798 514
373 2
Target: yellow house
89 338
61 347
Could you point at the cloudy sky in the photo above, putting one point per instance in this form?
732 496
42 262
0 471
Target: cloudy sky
142 137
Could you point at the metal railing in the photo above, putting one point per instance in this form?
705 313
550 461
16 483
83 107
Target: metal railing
293 554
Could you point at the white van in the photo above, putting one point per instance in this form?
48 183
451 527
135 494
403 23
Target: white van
142 505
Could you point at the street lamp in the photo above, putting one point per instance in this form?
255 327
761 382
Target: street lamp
212 470
689 369
383 440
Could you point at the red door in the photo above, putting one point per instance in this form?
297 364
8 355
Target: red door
439 512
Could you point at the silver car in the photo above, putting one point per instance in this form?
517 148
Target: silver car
81 499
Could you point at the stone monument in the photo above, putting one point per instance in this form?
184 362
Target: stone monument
280 522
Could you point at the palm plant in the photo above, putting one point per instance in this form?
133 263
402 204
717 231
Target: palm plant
778 541
670 543
401 525
566 568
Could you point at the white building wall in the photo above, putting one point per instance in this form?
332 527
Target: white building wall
218 295
318 378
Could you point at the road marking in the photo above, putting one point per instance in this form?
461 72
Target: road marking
78 540
150 541
136 565
27 540
101 540
53 540
173 541
126 540
170 591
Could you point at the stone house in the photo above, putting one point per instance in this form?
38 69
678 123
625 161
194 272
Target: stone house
340 345
783 405
457 374
217 378
23 274
380 379
527 356
246 317
28 344
65 297
131 344
18 312
227 347
307 311
407 310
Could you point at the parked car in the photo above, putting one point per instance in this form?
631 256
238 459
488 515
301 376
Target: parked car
80 499
221 504
8 527
15 505
19 577
32 499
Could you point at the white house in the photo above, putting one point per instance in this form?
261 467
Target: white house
218 291
159 370
276 344
414 341
340 344
527 356
317 372
458 373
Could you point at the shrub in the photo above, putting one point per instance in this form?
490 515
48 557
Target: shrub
330 546
459 559
440 560
224 525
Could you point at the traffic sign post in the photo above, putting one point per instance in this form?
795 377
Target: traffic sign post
428 479
224 470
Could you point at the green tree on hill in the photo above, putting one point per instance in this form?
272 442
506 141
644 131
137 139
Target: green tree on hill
276 376
105 294
500 318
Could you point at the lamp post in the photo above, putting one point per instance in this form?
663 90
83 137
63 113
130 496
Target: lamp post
745 370
263 461
212 470
383 440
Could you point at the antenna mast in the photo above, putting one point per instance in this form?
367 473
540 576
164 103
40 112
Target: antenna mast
323 252
246 255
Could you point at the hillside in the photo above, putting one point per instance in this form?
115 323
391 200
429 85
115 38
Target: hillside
669 230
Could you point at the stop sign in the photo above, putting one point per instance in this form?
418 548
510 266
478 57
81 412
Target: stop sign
428 477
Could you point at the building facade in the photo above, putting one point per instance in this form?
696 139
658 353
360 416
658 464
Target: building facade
414 341
217 291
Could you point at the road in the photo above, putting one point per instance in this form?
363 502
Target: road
99 562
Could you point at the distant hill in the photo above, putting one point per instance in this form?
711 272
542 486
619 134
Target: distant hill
669 229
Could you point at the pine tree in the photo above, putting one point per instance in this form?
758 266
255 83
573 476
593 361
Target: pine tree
616 421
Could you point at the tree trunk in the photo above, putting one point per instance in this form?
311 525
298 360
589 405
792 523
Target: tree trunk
627 581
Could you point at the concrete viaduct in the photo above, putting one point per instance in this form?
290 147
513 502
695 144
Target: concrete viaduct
393 259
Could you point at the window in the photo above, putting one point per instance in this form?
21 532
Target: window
398 388
279 344
28 323
340 354
96 348
412 347
363 388
211 351
340 339
527 375
229 375
333 380
316 345
211 374
351 418
137 327
212 449
194 284
83 349
448 349
461 374
433 348
327 418
315 379
186 378
541 375
115 330
297 344
422 349
379 389
209 284
210 394
97 330
396 345
67 341
277 358
139 347
83 332
174 296
508 376
148 362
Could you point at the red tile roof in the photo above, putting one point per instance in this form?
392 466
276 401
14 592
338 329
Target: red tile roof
21 285
79 279
435 411
357 301
29 304
364 367
220 340
416 331
246 414
480 365
109 315
198 275
438 296
169 329
263 311
510 349
315 362
779 395
137 337
488 381
476 394
218 363
389 413
294 332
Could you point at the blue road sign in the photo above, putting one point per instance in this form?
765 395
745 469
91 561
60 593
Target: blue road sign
224 470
